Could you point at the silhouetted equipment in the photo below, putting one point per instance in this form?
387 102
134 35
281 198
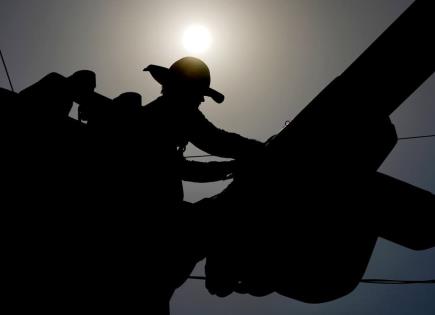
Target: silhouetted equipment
73 205
105 185
310 210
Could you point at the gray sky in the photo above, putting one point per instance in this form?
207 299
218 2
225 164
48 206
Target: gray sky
269 58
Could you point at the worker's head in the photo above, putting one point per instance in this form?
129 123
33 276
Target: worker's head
187 80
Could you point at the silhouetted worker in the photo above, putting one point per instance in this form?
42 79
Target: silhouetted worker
167 125
176 121
135 236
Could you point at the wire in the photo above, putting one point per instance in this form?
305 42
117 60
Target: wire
388 281
417 137
287 122
196 278
369 281
7 72
403 138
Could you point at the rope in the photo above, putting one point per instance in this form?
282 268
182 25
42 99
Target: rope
7 72
368 281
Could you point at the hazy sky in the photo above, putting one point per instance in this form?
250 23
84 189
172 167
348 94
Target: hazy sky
269 58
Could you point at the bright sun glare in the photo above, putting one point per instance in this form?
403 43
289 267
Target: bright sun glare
196 39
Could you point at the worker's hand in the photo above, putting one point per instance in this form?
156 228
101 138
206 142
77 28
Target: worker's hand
248 165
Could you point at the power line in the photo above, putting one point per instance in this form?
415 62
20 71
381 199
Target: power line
368 281
417 137
388 281
7 72
403 138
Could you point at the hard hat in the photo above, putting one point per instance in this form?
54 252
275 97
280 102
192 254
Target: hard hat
187 73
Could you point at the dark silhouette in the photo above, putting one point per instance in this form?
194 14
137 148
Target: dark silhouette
94 207
109 185
310 209
149 143
173 120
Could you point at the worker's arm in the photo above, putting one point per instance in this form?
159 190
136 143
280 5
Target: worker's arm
215 141
203 172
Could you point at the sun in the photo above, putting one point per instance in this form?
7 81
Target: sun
196 39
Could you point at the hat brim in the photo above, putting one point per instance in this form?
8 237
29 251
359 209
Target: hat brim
161 75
